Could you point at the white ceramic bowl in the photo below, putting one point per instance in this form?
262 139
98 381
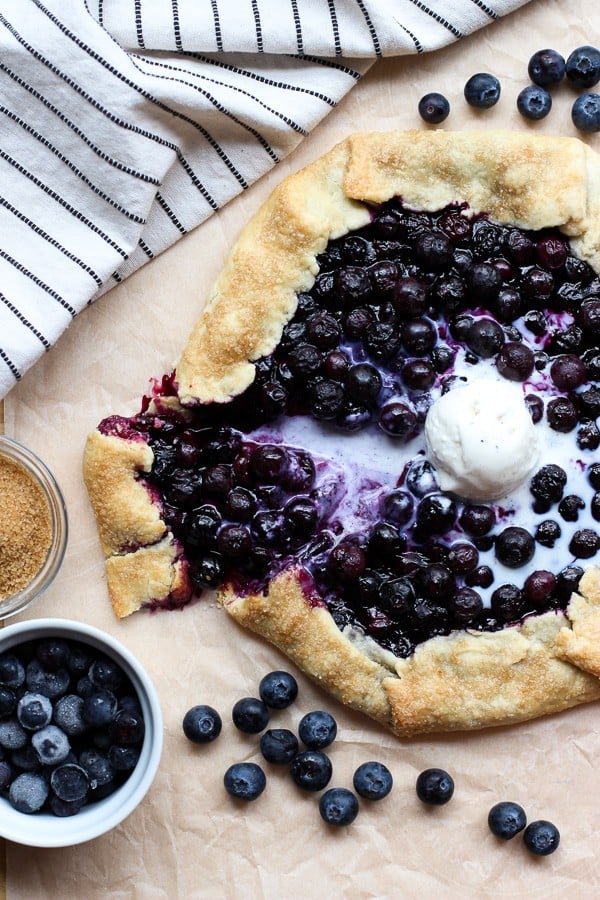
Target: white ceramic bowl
41 474
45 829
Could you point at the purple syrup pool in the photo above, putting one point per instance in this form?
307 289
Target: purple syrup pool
321 464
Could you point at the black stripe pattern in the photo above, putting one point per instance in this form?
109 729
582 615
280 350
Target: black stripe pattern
126 123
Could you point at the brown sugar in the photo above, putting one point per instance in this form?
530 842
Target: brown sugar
25 527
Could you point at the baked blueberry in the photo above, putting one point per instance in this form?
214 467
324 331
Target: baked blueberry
506 819
250 715
482 90
311 770
279 745
546 67
245 781
373 780
541 837
278 689
338 806
585 112
514 547
507 603
515 361
317 729
585 543
534 102
548 483
434 108
434 787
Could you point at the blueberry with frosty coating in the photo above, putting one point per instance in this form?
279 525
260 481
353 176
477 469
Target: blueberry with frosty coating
52 684
250 715
202 724
51 745
317 729
278 690
245 781
12 672
68 714
28 792
435 787
34 711
279 745
70 782
372 780
12 734
506 819
311 770
338 806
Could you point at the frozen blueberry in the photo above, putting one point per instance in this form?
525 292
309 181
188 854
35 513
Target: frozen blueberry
122 758
373 780
278 690
8 702
100 771
546 67
127 727
250 715
68 714
64 808
70 782
245 781
99 708
28 792
435 787
278 745
482 90
534 102
202 724
7 774
311 770
52 684
317 729
338 806
583 67
506 819
53 653
51 745
541 837
12 734
12 673
34 711
433 108
585 112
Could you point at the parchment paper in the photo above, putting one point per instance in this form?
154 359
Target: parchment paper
188 839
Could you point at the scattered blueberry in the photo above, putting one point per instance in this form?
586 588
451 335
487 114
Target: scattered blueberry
541 837
506 819
202 724
534 102
434 108
245 781
583 67
338 806
435 786
278 745
373 780
278 690
585 112
317 729
250 715
311 770
546 67
482 90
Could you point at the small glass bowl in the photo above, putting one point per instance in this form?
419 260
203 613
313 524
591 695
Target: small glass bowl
40 473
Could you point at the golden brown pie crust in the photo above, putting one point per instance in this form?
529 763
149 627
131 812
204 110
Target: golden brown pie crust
461 681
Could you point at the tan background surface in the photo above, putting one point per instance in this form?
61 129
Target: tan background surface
187 839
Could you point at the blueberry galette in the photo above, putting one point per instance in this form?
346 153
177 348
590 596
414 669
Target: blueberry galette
379 443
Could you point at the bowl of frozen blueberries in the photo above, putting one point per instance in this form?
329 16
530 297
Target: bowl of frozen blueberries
81 732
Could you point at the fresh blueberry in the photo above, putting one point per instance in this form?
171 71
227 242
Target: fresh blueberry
250 715
51 745
434 786
585 112
278 690
34 711
278 745
583 67
28 792
373 780
70 782
245 781
127 727
482 90
311 770
433 108
541 837
534 102
317 729
202 724
506 819
99 708
338 806
546 67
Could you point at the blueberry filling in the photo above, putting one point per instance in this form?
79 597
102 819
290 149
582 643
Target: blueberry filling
399 312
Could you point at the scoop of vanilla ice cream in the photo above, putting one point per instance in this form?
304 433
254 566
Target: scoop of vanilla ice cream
481 439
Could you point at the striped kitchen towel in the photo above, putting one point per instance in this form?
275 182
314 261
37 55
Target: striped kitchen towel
126 123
